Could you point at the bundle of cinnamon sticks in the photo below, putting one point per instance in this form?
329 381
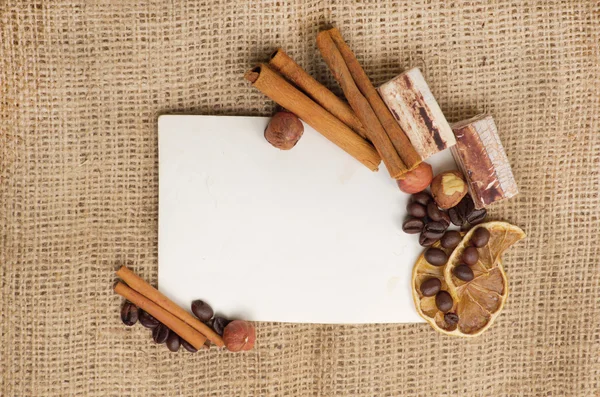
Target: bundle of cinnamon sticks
148 298
363 127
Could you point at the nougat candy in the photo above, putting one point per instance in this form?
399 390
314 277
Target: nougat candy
410 100
481 157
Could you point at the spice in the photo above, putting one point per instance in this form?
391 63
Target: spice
375 131
398 137
289 69
170 307
286 95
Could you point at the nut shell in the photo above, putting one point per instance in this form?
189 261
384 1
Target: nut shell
284 130
417 180
448 188
239 335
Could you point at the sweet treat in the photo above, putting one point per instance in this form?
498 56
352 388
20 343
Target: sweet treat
412 104
481 157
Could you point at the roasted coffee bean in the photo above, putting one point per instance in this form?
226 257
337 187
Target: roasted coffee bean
129 313
173 342
426 241
455 217
480 237
160 333
147 320
444 301
451 319
451 239
470 256
412 226
431 286
469 205
219 324
460 212
434 213
422 198
436 257
445 220
188 347
202 310
417 210
463 272
434 230
477 216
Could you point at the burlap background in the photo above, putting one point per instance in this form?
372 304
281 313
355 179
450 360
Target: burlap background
82 84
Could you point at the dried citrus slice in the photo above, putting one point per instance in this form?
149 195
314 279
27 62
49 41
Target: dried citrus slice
423 271
476 303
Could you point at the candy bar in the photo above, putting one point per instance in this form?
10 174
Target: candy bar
481 157
409 99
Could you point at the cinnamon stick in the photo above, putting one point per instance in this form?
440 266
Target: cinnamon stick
282 63
285 94
139 285
375 131
405 150
182 329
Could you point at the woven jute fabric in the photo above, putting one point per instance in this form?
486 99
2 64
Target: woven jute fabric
81 86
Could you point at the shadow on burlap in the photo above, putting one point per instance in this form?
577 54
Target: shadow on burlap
81 86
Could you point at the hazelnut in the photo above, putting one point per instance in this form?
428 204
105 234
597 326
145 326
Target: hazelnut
239 335
284 130
416 180
448 188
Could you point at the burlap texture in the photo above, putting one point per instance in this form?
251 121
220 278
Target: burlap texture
81 86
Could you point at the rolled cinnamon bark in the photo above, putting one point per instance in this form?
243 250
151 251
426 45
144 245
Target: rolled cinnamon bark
405 150
285 94
138 284
375 131
192 336
282 63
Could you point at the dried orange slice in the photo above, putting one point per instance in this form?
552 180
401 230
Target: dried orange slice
477 302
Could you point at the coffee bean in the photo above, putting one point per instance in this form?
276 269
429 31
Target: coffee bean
480 237
412 226
477 216
470 256
173 342
463 272
417 210
445 219
436 257
469 205
202 310
422 198
455 217
434 213
426 241
188 347
459 213
219 324
451 319
147 320
129 313
160 333
434 230
451 239
431 286
444 301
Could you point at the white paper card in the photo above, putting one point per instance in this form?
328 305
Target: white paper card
307 235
